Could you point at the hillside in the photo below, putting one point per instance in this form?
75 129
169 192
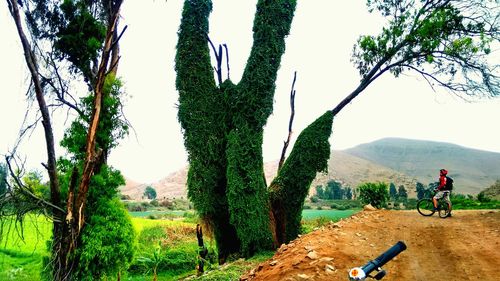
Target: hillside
401 161
352 171
473 170
343 167
172 186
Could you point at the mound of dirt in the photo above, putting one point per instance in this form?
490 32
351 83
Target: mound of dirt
463 247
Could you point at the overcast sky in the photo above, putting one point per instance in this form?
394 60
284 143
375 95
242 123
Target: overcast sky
318 48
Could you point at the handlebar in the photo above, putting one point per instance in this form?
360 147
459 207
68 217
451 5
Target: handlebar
361 273
384 257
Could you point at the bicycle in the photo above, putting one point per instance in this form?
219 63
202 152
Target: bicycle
361 273
425 206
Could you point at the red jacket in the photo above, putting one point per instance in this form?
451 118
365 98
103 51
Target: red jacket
442 182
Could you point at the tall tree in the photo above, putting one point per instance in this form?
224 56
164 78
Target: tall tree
393 192
402 194
68 41
446 42
420 189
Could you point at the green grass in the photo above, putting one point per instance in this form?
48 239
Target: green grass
333 215
157 213
21 259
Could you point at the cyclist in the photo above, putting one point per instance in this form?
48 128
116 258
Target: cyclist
442 190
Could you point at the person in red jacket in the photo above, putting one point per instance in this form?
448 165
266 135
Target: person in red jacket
441 190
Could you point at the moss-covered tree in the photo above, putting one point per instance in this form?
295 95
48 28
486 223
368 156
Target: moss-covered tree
75 44
223 123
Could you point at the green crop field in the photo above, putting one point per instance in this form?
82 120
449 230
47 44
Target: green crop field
333 215
21 259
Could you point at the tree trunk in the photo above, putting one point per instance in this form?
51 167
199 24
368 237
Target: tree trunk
66 229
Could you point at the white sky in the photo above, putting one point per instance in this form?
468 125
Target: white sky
318 48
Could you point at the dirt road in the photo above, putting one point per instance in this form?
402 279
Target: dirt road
463 247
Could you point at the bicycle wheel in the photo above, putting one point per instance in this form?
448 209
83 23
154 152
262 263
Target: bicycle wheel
444 209
425 207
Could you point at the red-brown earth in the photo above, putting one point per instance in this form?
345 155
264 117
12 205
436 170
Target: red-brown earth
463 247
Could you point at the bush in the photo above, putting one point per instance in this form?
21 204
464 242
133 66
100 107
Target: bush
481 197
375 194
154 203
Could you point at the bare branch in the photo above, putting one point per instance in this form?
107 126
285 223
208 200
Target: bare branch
290 122
227 60
218 57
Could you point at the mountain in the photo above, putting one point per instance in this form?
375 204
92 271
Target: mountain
352 171
172 186
401 161
472 170
343 167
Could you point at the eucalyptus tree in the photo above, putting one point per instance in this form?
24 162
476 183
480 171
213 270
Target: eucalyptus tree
446 42
69 44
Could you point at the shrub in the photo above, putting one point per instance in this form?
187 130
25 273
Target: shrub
375 194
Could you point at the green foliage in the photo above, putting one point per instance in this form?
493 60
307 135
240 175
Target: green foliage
108 242
309 156
229 192
393 193
420 189
112 126
75 28
402 194
462 202
33 182
375 194
481 197
447 42
150 193
334 190
80 35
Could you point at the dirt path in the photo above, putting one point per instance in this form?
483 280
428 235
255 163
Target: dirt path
464 247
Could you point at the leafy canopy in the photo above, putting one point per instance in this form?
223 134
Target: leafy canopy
446 42
375 194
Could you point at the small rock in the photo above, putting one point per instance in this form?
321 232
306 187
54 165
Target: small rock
297 262
302 277
283 248
312 255
273 263
326 259
329 268
358 234
369 207
308 248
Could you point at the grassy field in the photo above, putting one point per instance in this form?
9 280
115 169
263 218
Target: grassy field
333 215
21 259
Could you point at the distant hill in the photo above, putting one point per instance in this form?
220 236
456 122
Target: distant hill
352 171
401 161
473 170
345 168
172 186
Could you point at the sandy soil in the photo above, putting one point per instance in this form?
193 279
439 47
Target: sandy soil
463 247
